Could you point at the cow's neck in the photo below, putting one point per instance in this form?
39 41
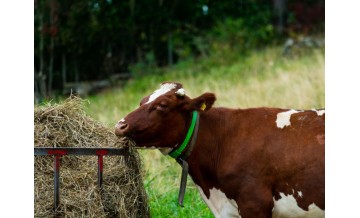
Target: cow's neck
204 156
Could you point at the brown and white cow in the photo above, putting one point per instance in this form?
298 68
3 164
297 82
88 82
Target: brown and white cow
257 162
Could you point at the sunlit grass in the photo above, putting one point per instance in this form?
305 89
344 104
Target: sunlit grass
261 78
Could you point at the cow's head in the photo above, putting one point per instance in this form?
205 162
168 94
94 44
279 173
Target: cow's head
163 118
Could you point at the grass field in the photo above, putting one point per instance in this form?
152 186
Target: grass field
261 78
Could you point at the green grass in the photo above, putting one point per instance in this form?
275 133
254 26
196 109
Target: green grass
260 78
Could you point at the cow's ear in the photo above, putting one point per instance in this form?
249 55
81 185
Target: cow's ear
203 103
144 100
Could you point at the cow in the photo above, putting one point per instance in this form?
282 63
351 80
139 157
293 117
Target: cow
255 162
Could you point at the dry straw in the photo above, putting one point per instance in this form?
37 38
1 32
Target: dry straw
67 125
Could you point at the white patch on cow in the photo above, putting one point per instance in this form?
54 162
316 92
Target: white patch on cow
219 204
300 194
283 118
167 87
152 147
120 121
180 92
320 112
287 206
165 151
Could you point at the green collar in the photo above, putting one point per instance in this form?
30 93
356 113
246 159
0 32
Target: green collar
178 151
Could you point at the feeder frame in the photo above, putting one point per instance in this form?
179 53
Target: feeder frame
74 151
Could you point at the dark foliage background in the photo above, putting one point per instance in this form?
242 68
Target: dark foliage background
88 40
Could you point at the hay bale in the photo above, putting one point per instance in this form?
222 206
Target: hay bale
67 125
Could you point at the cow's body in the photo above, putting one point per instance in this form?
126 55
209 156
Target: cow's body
245 155
258 162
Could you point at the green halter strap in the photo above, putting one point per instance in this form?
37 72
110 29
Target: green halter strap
178 151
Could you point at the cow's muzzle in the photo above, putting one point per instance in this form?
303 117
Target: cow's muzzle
121 127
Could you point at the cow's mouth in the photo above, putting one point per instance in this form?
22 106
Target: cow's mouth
130 142
127 141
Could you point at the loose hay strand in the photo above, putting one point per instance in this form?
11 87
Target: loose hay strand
65 125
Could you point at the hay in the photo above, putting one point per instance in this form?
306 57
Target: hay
67 125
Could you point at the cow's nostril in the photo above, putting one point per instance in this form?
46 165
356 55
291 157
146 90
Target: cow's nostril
122 126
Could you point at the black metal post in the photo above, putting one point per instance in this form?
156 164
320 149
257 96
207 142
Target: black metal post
100 170
56 183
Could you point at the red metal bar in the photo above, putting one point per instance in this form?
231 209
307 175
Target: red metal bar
102 152
57 152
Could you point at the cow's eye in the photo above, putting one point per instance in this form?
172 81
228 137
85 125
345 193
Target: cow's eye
162 106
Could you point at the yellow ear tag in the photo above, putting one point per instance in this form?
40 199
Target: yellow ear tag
203 106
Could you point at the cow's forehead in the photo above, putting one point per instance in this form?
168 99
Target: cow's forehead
166 87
